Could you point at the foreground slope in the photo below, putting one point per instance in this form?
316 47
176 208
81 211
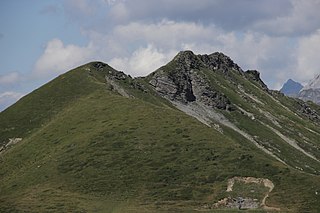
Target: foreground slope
96 140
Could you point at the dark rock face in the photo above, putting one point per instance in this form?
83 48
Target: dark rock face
206 94
99 65
182 82
175 86
254 75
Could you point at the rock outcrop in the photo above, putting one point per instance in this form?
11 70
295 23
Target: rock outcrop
181 80
254 75
11 142
219 61
305 109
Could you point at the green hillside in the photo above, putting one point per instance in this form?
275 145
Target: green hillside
97 140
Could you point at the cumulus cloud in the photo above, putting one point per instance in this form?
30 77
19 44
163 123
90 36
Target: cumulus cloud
8 98
58 58
9 78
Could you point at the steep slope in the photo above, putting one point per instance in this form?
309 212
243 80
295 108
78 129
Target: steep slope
222 94
311 92
33 111
104 142
291 88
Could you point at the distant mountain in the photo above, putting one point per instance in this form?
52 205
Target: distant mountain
311 92
197 134
291 88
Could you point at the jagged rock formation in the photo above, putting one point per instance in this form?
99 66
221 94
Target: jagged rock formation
254 75
308 111
182 80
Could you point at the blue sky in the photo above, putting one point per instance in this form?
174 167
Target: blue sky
41 39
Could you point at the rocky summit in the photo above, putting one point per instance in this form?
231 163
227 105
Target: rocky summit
197 134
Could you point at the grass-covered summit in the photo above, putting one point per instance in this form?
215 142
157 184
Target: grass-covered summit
197 134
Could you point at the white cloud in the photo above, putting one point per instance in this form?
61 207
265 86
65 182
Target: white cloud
308 57
8 98
58 58
143 61
10 78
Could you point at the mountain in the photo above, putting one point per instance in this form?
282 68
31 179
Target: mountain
197 134
291 88
311 92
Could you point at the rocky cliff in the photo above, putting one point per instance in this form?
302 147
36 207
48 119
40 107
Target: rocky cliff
183 81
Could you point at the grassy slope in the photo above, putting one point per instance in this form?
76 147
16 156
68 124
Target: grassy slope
34 110
98 151
291 125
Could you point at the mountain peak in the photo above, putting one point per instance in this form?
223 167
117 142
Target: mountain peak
291 88
213 61
186 53
188 59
